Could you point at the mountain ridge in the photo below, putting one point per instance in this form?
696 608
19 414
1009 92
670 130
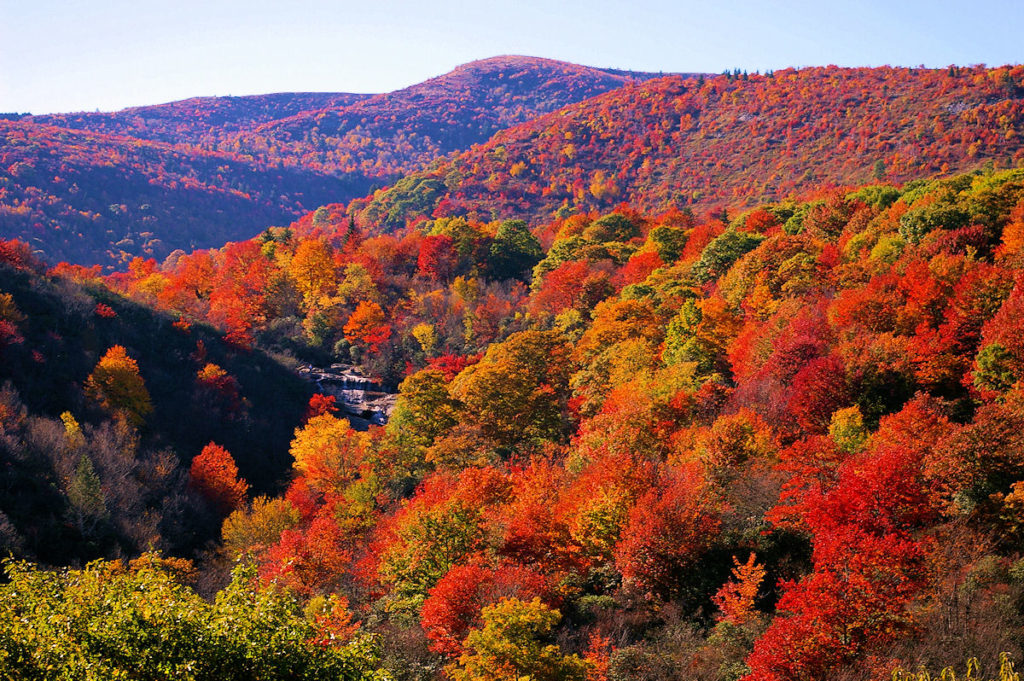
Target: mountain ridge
727 140
230 167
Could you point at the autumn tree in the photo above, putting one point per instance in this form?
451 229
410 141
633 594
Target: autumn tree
453 606
511 645
214 475
116 385
424 411
735 600
666 533
218 391
312 268
516 392
367 327
327 452
252 530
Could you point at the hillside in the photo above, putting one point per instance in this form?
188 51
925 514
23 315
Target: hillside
724 141
54 329
715 378
203 121
766 448
201 172
92 198
393 134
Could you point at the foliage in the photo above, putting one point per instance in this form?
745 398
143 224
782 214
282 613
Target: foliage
107 621
215 476
510 646
116 385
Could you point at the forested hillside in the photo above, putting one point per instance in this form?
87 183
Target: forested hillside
393 134
636 445
90 198
715 378
103 406
102 188
202 121
725 141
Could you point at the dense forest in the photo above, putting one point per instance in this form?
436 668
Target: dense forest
731 140
768 443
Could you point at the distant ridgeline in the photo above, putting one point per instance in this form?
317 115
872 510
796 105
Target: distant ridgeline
510 137
728 141
104 187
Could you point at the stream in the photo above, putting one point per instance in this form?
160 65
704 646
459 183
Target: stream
360 398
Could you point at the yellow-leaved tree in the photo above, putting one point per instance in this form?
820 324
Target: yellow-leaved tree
116 385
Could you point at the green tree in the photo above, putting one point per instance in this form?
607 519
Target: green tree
722 252
514 251
513 645
87 504
142 623
611 227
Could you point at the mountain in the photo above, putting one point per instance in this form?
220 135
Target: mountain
396 133
729 140
199 120
103 188
87 197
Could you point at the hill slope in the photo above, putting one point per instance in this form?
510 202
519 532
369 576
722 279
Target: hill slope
724 141
53 331
201 172
92 198
199 120
399 132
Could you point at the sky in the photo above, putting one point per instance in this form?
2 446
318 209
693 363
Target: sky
74 55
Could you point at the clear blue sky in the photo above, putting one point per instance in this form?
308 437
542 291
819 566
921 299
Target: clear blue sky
73 55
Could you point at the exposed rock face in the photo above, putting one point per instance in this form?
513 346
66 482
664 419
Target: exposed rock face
363 400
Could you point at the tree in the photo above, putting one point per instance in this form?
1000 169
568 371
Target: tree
367 327
429 538
116 385
516 392
218 391
514 251
215 476
612 227
327 452
722 252
735 600
437 258
510 646
854 600
88 506
252 530
668 530
140 621
453 605
424 411
320 404
312 268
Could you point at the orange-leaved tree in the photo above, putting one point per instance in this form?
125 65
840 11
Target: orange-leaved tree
367 327
215 476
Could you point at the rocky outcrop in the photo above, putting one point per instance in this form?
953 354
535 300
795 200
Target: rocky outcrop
362 399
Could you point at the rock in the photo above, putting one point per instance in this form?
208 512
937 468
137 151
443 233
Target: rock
362 399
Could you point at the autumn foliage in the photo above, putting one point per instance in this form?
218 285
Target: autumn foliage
214 475
659 433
